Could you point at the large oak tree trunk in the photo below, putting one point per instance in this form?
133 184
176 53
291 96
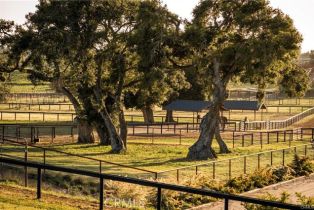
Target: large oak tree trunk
169 116
222 145
102 134
202 149
85 132
116 142
123 128
209 127
85 129
148 114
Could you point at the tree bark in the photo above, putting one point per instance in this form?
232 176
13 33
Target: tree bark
202 149
209 127
116 142
84 128
85 132
169 116
123 128
222 145
148 114
102 134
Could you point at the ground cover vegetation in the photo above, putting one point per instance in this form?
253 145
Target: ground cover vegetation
105 55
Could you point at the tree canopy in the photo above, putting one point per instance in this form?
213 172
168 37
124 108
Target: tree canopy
109 55
248 39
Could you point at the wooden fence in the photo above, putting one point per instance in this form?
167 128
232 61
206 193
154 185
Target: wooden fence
37 106
36 97
269 125
36 116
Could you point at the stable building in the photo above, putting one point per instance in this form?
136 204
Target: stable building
196 106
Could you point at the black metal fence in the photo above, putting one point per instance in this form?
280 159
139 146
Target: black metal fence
158 185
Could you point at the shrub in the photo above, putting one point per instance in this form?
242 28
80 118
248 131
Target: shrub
304 200
257 179
302 166
283 173
284 198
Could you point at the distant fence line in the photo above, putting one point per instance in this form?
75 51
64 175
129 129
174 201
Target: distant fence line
39 106
236 125
269 125
36 97
234 139
33 132
247 94
42 115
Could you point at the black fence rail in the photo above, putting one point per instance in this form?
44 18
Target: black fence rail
158 185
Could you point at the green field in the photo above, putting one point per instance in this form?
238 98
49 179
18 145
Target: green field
155 158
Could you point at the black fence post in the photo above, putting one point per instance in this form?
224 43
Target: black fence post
214 170
180 139
230 169
226 206
101 193
258 161
25 168
159 198
283 157
39 183
244 168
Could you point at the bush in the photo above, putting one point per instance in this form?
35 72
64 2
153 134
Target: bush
302 166
283 173
304 200
307 202
284 198
257 179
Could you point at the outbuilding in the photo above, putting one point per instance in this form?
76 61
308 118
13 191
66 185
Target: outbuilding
196 106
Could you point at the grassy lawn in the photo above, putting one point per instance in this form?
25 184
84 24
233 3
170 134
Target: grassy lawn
16 197
155 158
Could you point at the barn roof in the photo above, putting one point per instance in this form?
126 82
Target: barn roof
197 106
187 105
243 105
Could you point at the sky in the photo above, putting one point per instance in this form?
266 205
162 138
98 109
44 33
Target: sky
301 11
